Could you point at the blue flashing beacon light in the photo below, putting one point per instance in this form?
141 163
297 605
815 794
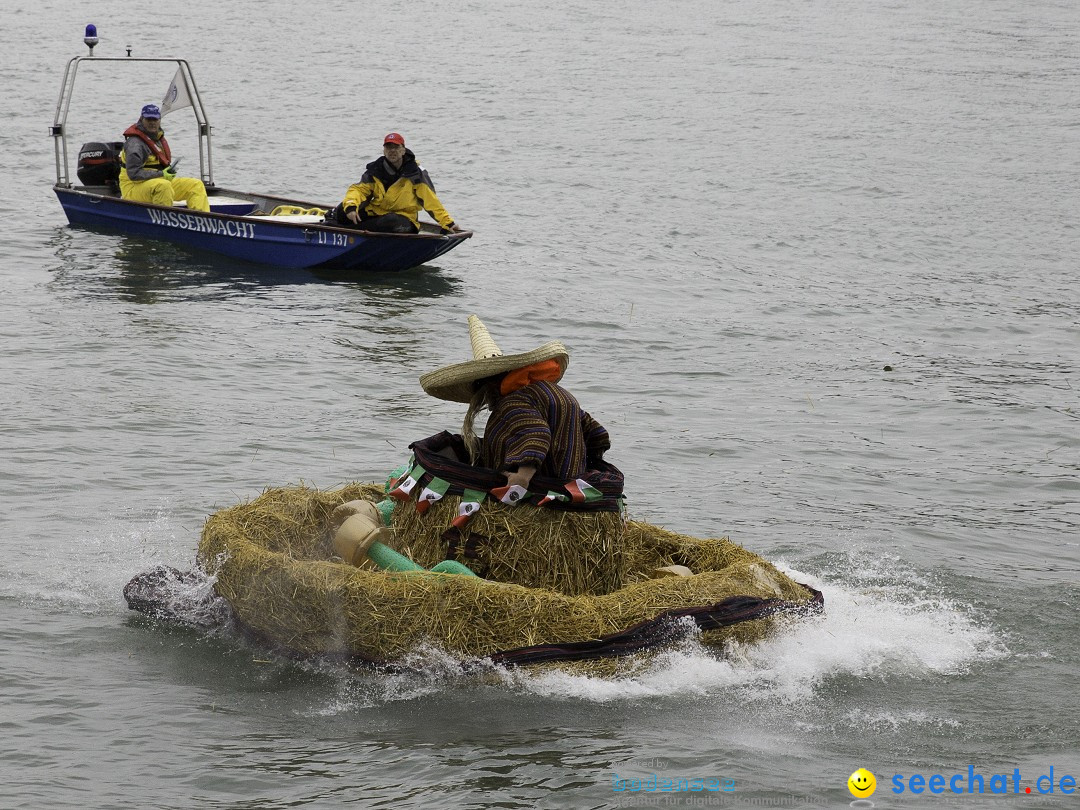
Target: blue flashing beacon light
91 38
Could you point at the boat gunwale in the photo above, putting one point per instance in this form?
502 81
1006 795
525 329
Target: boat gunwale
264 218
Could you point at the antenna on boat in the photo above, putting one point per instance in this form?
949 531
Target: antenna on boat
91 38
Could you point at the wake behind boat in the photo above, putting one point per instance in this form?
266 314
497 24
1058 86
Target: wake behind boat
256 227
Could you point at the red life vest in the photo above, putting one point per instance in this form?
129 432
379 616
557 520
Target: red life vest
159 148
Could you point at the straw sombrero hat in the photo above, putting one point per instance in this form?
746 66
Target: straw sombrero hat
456 383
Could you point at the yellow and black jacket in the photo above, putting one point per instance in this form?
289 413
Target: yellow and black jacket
382 190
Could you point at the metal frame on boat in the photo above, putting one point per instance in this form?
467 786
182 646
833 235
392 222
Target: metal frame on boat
239 224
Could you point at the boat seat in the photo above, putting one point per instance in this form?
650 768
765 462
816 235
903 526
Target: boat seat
304 219
220 204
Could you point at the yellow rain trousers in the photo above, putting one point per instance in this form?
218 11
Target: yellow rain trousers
160 191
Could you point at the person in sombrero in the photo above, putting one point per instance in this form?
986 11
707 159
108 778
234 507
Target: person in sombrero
535 425
533 502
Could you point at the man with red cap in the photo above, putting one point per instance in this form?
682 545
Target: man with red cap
391 194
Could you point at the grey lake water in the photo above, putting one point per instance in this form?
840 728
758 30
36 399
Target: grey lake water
817 267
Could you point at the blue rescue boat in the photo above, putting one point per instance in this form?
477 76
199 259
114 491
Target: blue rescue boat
249 226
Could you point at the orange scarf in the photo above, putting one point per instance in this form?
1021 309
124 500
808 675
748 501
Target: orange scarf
546 370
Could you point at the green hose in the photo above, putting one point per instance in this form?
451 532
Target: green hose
452 567
389 560
386 509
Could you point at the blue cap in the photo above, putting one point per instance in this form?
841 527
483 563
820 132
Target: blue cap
151 111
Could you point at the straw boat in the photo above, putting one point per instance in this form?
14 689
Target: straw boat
562 585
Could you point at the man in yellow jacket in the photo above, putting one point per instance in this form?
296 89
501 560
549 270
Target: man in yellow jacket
146 173
391 194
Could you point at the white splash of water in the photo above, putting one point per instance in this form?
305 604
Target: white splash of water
427 670
84 564
879 632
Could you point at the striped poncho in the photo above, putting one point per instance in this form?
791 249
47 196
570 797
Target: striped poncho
543 424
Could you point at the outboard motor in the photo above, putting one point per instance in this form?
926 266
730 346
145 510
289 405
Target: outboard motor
99 164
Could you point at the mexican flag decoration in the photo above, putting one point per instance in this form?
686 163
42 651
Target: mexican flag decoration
434 491
470 505
512 494
399 473
405 486
581 491
551 497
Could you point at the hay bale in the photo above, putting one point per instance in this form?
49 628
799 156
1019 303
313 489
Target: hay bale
572 553
273 563
650 547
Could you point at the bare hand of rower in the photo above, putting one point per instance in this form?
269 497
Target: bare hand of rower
521 477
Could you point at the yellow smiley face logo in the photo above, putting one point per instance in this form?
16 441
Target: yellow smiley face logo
862 784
